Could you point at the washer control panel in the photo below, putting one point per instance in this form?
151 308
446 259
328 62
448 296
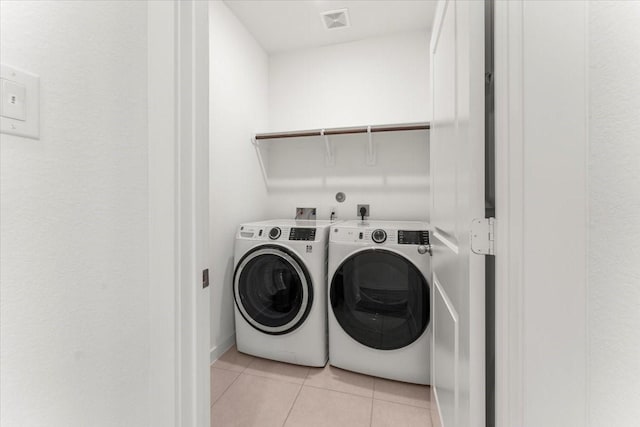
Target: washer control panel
300 233
270 232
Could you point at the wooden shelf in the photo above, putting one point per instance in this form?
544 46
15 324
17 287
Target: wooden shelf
344 131
326 133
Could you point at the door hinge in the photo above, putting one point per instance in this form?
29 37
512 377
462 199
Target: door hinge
482 236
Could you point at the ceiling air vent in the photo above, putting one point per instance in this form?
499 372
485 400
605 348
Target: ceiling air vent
335 19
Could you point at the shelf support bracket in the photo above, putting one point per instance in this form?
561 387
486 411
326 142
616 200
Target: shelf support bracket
371 153
328 158
256 145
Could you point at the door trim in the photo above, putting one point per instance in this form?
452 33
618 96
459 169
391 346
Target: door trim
440 294
528 270
178 135
509 152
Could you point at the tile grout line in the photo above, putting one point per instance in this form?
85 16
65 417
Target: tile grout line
230 370
304 383
250 363
338 391
274 379
402 403
226 389
373 398
292 405
212 365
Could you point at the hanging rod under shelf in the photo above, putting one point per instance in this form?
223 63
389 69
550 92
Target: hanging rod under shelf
344 131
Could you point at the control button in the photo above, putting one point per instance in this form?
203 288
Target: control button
422 249
379 236
275 233
360 236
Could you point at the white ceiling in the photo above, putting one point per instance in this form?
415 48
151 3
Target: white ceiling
280 25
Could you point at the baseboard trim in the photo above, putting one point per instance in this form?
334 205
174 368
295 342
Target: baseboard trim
218 350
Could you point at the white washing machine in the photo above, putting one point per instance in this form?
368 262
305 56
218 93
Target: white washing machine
279 287
379 308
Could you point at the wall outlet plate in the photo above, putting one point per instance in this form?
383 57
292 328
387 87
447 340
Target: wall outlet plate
306 213
25 120
367 212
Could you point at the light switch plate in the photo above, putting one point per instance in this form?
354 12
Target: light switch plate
20 98
12 103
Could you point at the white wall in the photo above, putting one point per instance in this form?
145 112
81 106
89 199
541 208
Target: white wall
373 81
555 206
396 188
238 88
74 345
614 210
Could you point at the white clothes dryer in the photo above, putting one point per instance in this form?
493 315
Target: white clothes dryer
279 288
379 301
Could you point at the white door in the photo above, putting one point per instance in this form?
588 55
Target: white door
178 119
457 170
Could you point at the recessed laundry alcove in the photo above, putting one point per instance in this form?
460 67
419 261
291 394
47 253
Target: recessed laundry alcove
367 82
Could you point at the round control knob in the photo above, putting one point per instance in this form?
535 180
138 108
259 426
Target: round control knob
423 249
275 233
379 236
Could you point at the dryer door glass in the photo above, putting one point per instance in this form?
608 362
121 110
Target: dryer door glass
272 290
380 299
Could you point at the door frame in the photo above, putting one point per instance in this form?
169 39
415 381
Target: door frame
178 212
509 179
178 162
535 385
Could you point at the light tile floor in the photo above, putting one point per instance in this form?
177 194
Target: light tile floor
250 391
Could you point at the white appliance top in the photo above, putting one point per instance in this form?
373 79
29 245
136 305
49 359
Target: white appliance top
291 223
394 225
290 230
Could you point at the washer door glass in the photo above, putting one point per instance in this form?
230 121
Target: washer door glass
272 290
380 299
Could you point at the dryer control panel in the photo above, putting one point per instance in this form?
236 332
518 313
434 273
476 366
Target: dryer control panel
363 235
380 235
407 237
